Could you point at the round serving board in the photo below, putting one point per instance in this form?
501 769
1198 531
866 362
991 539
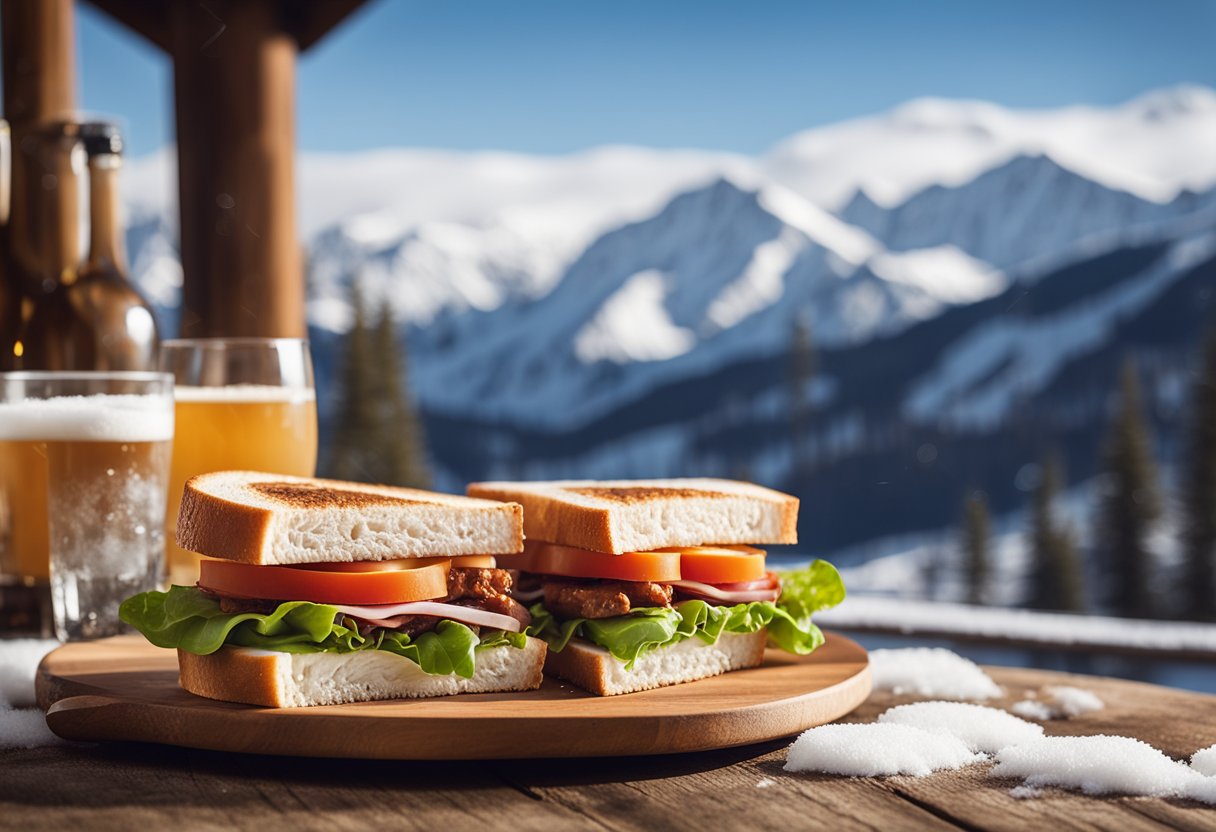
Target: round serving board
125 689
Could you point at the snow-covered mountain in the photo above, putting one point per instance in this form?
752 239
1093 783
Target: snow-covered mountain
505 223
1154 146
719 275
1028 208
970 274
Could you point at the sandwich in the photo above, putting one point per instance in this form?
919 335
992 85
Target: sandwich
639 584
319 592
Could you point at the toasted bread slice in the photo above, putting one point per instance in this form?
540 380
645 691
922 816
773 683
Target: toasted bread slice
636 515
275 519
297 680
593 668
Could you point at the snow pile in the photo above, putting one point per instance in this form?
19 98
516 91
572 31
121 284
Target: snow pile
1062 701
22 726
1074 701
982 729
921 738
877 749
18 661
1033 709
1100 765
1204 761
932 672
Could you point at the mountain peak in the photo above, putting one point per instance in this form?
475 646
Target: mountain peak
947 114
1173 102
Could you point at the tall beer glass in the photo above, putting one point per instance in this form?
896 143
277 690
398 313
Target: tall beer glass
242 404
84 466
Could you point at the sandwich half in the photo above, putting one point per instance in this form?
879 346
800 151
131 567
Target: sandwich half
319 592
638 584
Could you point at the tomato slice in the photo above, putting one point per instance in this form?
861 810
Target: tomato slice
476 561
287 583
551 559
721 564
464 561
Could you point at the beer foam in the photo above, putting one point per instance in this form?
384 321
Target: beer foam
245 394
100 418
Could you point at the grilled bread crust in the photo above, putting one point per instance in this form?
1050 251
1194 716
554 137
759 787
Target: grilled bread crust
269 519
637 515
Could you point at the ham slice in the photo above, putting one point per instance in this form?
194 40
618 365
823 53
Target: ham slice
709 592
390 615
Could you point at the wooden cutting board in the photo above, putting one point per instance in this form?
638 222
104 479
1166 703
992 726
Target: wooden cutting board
125 689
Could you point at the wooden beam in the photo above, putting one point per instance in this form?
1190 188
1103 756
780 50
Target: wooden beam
153 20
234 81
310 21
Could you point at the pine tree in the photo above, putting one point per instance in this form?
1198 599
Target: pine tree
378 436
399 433
1130 505
1055 576
357 416
977 532
1198 592
803 364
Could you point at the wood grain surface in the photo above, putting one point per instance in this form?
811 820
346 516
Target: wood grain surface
125 689
126 787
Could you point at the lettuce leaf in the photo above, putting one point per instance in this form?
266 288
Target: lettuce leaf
628 637
188 619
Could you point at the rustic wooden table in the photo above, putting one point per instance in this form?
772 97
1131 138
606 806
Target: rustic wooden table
144 787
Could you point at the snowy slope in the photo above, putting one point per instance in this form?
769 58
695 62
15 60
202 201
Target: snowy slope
977 381
718 275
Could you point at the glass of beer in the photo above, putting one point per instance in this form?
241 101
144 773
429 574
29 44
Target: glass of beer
242 404
84 468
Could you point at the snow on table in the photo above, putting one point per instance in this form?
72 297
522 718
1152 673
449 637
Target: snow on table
983 729
924 739
932 672
21 724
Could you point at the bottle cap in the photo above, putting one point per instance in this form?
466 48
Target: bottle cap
101 137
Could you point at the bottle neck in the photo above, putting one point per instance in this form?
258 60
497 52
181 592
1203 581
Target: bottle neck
61 247
106 244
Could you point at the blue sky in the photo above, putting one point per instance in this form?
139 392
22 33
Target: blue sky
553 76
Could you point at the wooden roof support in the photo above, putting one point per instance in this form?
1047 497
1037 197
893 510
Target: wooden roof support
37 51
39 67
234 86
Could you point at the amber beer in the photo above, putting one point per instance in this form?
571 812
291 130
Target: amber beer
248 427
82 493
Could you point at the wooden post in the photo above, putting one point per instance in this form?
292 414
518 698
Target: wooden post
234 85
234 80
37 50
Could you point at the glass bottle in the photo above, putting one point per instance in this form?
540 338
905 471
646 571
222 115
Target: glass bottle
46 238
120 320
